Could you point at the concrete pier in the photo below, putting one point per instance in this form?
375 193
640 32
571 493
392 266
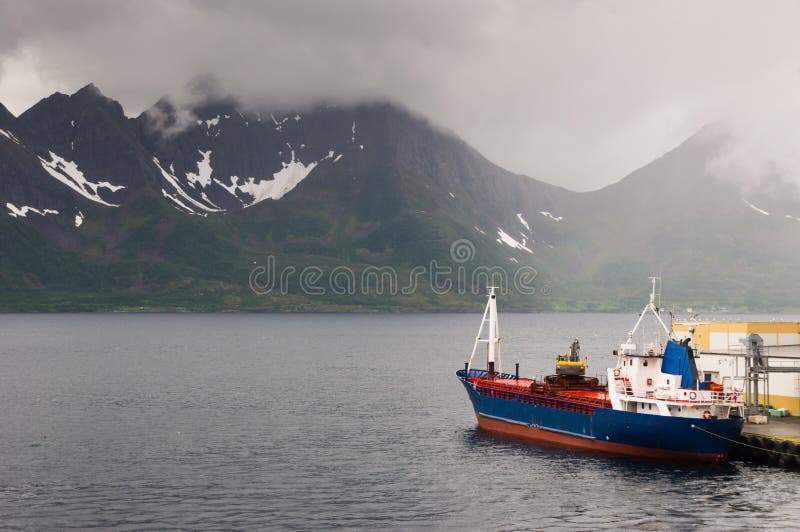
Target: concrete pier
777 427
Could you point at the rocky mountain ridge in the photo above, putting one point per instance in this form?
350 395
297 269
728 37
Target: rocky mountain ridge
103 211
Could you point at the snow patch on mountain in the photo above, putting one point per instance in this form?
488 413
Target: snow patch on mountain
523 221
548 214
211 122
10 136
79 219
68 173
505 238
760 211
172 180
353 130
331 155
208 200
177 201
203 175
279 124
281 183
22 212
230 188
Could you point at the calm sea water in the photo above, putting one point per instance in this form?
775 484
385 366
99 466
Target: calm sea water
319 421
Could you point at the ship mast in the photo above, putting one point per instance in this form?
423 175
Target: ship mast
629 347
492 341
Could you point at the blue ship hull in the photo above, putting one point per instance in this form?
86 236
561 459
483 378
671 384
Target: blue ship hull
578 425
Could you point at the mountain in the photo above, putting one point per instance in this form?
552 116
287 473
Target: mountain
352 207
161 211
714 241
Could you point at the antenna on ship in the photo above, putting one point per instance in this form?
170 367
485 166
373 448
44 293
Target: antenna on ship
492 340
655 296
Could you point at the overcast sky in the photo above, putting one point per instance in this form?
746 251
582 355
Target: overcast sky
575 93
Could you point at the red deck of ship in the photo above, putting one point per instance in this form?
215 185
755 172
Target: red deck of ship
594 397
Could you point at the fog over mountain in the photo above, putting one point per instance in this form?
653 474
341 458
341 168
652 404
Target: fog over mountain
102 211
154 154
573 93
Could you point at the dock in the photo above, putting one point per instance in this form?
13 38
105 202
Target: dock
776 443
781 428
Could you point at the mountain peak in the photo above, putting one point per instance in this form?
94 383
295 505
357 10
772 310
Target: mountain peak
89 90
88 97
91 95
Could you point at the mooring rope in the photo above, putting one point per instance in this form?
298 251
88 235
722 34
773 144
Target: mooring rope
745 444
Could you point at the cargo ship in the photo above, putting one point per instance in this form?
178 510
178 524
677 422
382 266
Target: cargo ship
650 405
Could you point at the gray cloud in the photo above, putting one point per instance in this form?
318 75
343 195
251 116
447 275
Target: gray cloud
575 93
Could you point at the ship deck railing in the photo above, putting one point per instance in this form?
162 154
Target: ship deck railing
682 395
481 373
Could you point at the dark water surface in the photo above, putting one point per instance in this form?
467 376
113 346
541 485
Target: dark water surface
319 421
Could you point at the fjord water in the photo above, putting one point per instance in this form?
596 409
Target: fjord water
319 421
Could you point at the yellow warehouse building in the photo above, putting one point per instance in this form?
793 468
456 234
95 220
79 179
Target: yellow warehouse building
717 343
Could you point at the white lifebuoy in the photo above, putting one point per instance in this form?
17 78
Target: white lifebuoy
616 372
692 396
706 415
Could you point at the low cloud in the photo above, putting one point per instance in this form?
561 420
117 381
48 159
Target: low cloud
575 93
758 145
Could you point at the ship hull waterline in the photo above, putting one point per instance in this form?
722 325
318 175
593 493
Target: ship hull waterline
608 431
